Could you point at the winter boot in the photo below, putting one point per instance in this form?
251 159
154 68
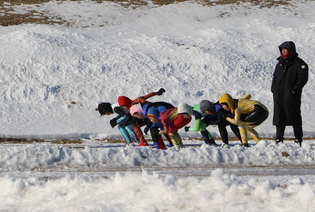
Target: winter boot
298 141
245 145
212 142
143 143
279 140
208 138
155 145
178 147
225 146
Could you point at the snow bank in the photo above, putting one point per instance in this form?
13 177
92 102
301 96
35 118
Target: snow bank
115 156
137 192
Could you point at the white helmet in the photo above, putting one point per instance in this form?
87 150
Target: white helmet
185 108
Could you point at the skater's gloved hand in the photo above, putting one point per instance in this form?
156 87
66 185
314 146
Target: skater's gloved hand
163 132
223 116
229 115
146 129
113 122
186 128
161 91
226 115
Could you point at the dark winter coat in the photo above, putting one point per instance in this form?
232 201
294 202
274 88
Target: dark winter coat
289 78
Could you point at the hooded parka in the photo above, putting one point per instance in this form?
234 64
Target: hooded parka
289 78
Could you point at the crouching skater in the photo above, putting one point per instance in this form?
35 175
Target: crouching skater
217 116
126 103
173 119
201 123
123 119
247 113
143 111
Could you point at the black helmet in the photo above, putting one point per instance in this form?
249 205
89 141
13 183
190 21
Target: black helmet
104 107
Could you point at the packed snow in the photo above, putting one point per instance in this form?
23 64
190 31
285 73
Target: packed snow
53 77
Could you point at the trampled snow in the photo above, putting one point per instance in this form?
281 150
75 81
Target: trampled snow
53 77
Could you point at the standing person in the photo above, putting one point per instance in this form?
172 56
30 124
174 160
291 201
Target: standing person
173 119
143 110
289 78
247 114
122 119
126 103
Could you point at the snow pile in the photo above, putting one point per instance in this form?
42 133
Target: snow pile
129 192
94 157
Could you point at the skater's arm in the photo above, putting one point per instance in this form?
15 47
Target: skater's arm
197 126
301 79
237 118
158 93
120 111
222 114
